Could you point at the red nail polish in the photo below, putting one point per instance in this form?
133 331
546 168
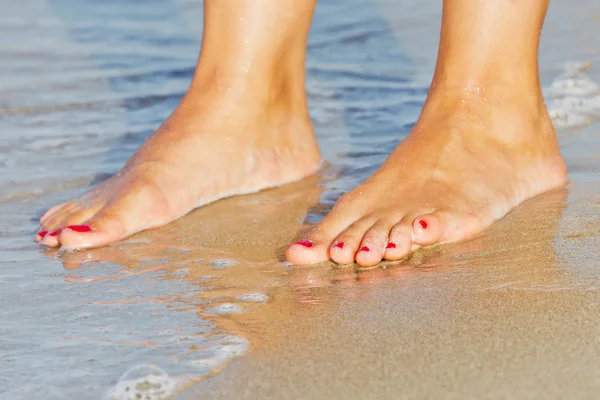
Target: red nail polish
80 228
339 245
53 233
423 224
364 248
42 233
305 243
390 245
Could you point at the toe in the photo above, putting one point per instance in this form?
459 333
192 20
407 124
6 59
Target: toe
69 215
427 229
98 231
51 211
79 216
315 247
53 222
50 239
348 243
399 242
139 209
305 252
374 244
56 213
40 234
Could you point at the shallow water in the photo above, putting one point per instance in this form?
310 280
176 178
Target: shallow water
83 83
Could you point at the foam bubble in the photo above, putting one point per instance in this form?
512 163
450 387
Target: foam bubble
146 382
566 118
226 308
253 298
578 84
210 363
583 105
572 98
233 346
223 263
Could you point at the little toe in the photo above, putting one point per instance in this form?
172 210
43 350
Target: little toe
347 244
372 248
427 229
399 242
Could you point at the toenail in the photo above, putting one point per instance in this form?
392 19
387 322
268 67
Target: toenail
390 245
53 233
423 224
339 245
80 228
364 248
42 233
304 243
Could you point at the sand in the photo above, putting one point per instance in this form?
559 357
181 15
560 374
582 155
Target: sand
512 314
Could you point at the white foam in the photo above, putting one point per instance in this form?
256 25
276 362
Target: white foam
223 263
564 118
210 363
228 348
573 97
147 382
253 298
573 84
226 308
233 346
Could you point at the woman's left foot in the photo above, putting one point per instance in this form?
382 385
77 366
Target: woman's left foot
467 163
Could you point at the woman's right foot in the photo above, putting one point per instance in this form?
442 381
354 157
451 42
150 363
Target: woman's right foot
210 148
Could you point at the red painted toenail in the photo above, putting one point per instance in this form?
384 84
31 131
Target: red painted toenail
339 245
305 243
423 224
53 233
42 233
80 228
364 248
391 245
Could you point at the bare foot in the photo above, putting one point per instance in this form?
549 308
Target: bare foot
211 147
467 163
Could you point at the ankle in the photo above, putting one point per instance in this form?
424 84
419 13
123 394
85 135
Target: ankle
279 89
507 116
496 90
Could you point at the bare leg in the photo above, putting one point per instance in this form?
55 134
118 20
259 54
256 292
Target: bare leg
483 144
243 126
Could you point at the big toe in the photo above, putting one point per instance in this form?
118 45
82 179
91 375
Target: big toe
133 212
315 247
305 252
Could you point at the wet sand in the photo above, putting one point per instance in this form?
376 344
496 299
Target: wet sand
512 313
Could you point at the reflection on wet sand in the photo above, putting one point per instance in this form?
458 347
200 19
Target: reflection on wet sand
452 320
254 298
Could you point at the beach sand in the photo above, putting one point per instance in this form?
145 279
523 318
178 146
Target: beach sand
513 313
